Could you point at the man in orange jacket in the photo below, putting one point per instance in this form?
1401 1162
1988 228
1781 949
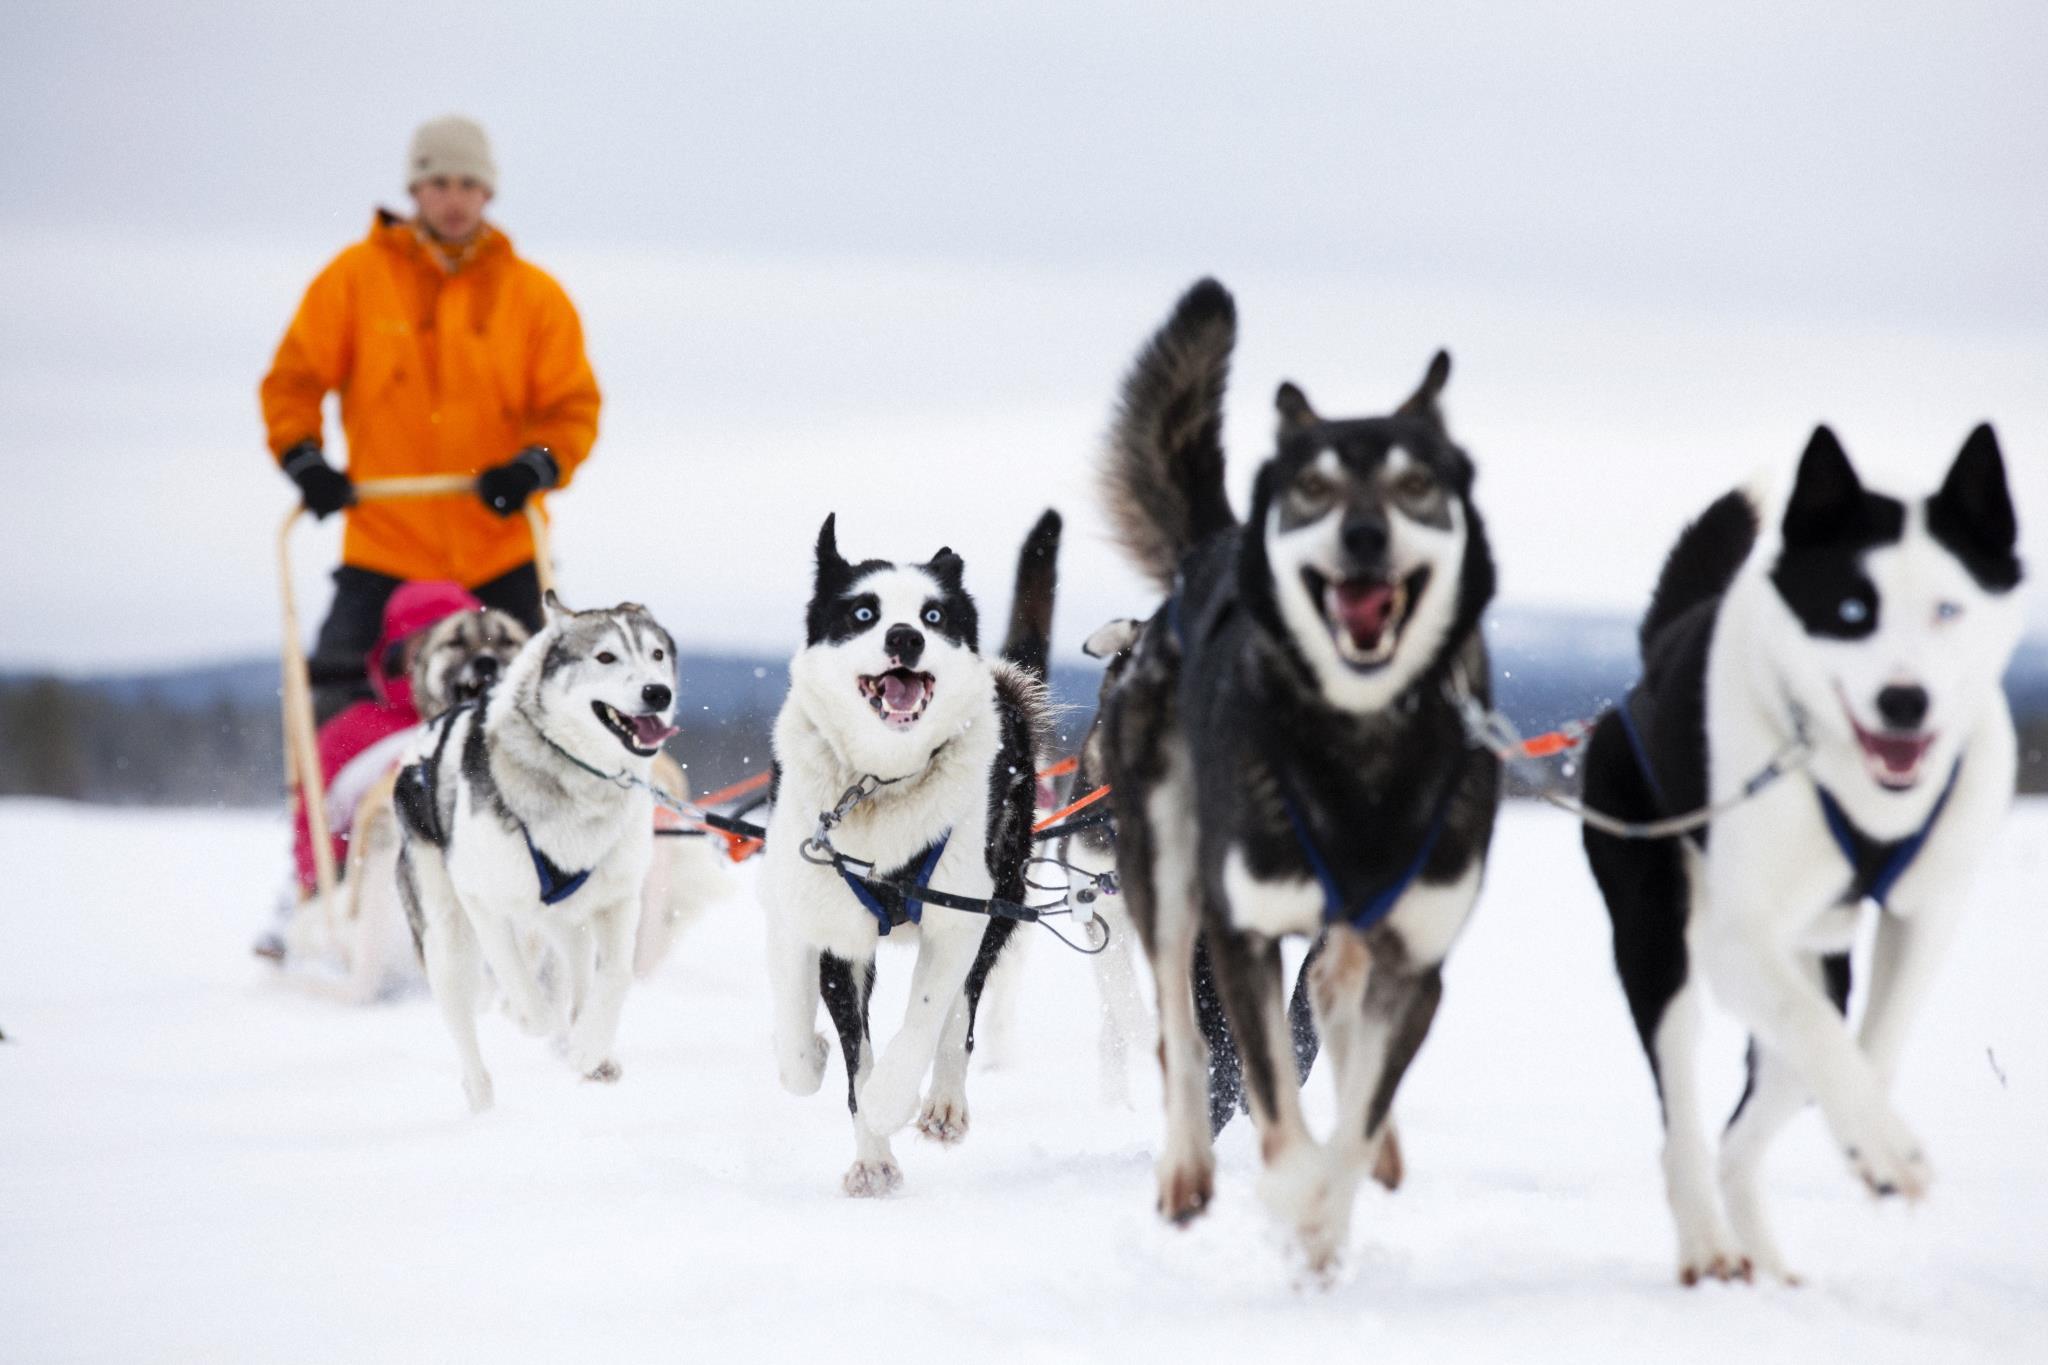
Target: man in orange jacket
452 356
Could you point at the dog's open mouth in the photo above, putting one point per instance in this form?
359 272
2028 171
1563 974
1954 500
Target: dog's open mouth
899 696
641 734
1893 759
1366 615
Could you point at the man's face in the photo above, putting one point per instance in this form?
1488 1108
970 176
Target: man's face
451 207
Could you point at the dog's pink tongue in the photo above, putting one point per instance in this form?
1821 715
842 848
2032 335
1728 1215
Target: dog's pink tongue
902 691
1899 755
1363 607
650 731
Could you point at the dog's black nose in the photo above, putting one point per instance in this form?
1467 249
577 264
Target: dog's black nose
657 695
484 666
1903 708
1365 540
905 645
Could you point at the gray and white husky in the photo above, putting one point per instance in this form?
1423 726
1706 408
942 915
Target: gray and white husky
890 690
1284 751
1876 627
522 824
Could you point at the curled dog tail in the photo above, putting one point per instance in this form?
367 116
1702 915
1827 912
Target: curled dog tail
1703 562
1029 641
1162 472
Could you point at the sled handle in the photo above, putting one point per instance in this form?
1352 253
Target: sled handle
301 743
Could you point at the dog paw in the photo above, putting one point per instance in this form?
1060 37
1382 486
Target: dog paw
890 1096
478 1091
803 1069
1185 1190
871 1179
1387 1167
1889 1160
1311 1193
606 1071
1725 1266
943 1121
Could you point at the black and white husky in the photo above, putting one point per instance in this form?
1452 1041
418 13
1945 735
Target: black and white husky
1876 628
523 826
891 692
1284 753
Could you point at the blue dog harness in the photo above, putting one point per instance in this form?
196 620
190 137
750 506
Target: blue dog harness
556 885
907 907
1378 903
1852 842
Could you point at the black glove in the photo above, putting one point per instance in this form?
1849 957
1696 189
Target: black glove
323 488
505 488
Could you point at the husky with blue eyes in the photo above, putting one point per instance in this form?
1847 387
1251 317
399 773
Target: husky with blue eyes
891 694
1870 632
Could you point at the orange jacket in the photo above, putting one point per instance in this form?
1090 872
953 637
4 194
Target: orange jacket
440 372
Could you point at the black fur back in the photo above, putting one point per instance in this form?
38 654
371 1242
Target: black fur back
1702 564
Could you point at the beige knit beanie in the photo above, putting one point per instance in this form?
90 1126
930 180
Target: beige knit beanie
452 146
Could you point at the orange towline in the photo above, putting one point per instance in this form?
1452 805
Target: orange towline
1063 812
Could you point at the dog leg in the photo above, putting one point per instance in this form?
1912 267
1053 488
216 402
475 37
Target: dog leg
1123 1011
1163 905
944 1116
1907 951
846 988
1789 1014
515 976
1299 1183
793 987
1706 1250
601 994
889 1096
1770 1100
453 963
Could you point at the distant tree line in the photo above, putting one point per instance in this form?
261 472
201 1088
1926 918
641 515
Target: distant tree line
213 737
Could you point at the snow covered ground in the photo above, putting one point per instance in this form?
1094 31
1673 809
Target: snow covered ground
199 1163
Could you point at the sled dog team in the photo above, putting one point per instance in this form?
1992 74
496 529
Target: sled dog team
1285 743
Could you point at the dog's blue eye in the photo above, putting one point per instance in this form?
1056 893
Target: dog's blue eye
932 616
1947 611
607 658
1855 611
863 614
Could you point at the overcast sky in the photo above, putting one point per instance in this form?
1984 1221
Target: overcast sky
890 260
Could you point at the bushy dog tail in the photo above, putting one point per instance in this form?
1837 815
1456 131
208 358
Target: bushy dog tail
1703 562
1162 474
1029 641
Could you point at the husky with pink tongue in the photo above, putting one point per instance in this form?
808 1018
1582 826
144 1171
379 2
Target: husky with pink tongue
891 696
529 830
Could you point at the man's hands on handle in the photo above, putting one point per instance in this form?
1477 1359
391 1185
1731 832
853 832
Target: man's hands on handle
505 488
323 488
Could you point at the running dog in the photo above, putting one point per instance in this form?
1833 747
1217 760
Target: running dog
1285 751
891 698
527 818
1871 631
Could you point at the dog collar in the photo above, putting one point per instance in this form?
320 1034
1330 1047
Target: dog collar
1875 868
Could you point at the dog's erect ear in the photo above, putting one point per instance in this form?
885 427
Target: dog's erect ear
1112 639
1422 403
947 567
1295 413
832 569
1826 493
551 608
1973 514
